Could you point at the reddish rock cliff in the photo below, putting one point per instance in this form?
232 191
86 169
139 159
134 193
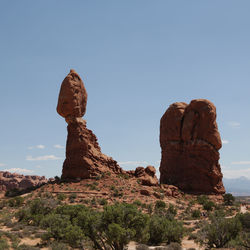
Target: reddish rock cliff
190 144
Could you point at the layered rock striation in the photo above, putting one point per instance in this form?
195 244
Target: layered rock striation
10 181
190 144
84 158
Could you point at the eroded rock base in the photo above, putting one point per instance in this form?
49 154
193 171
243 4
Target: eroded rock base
84 158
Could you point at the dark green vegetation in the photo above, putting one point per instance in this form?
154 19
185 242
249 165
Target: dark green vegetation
65 221
223 232
112 228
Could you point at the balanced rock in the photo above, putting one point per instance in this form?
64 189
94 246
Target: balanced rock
84 158
72 99
190 144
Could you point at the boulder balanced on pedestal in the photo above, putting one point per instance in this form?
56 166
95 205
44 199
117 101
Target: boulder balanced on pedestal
83 154
190 144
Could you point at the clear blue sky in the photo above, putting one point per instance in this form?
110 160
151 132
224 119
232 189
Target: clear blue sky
136 57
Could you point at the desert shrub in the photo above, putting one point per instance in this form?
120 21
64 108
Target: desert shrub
58 246
3 244
171 212
72 197
61 197
41 206
115 226
150 208
73 235
102 202
36 210
196 213
245 220
3 204
89 221
16 202
228 199
125 223
163 230
124 176
137 203
71 211
244 240
192 236
160 204
208 205
93 201
219 232
202 199
161 210
59 227
116 193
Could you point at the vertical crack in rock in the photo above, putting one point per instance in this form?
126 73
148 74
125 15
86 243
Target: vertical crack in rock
190 143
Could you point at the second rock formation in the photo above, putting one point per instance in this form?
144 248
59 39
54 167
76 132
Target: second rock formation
190 144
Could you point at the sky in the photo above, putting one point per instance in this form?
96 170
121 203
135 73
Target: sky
136 57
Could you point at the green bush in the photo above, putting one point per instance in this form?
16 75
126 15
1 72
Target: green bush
111 228
36 210
61 197
244 240
202 199
137 203
171 212
16 202
160 204
219 232
228 199
4 244
245 220
55 245
208 205
59 227
122 223
164 230
196 214
102 202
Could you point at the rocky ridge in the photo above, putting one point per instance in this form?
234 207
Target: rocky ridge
10 181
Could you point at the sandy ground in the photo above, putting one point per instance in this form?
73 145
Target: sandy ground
186 244
30 242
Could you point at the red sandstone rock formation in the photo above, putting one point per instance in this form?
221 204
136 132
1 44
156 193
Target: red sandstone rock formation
83 154
190 144
72 100
146 175
9 181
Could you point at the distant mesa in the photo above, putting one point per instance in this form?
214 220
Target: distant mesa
190 143
10 181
